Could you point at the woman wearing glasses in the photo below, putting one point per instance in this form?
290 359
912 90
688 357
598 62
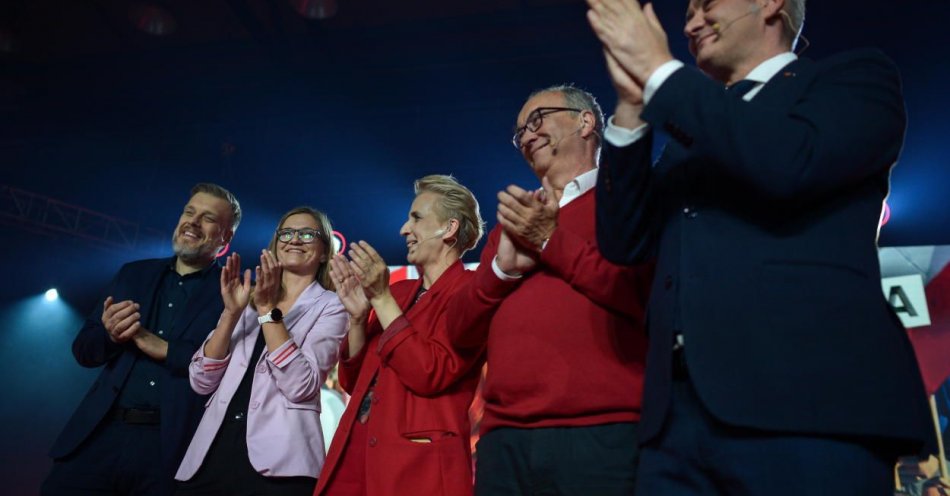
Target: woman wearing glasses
263 366
405 430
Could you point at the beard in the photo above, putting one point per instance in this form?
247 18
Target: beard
203 251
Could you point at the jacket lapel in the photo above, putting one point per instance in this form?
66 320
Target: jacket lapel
435 292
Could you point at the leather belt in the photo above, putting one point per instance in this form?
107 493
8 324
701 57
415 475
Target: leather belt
137 416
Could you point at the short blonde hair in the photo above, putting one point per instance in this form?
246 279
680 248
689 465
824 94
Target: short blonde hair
457 203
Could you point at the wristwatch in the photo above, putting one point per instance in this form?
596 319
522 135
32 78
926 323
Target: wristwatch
275 315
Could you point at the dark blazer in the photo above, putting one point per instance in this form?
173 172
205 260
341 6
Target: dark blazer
763 216
181 408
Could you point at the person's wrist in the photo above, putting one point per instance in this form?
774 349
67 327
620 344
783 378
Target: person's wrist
627 114
232 313
509 270
654 65
380 297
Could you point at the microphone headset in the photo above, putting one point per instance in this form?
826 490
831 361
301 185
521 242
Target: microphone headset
436 234
557 141
719 28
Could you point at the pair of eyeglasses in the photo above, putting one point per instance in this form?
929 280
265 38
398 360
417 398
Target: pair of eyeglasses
305 235
535 120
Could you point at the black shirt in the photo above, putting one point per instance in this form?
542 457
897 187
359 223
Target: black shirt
237 408
142 389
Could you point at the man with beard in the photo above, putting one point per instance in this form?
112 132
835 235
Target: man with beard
131 430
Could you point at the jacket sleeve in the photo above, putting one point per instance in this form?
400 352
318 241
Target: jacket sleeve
426 362
205 373
301 365
348 371
844 127
472 307
92 346
622 289
626 215
350 366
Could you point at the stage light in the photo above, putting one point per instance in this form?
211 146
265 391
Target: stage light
339 242
885 214
223 251
315 9
51 294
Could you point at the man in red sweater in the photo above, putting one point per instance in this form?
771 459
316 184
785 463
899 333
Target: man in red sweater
566 342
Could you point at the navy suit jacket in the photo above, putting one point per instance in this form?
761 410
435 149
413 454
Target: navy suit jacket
763 216
181 408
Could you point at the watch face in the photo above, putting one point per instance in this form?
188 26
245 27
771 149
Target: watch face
276 314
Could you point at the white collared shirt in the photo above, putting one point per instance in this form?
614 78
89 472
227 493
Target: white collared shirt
620 136
578 186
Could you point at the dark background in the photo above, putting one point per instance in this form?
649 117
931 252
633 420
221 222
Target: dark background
111 110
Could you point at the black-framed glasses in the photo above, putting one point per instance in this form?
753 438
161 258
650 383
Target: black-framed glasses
535 120
305 235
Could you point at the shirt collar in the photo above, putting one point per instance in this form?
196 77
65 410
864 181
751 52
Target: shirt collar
578 186
764 71
200 273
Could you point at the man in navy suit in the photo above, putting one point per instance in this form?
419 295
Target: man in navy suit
775 364
131 430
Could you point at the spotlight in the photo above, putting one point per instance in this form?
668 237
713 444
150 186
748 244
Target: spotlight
51 294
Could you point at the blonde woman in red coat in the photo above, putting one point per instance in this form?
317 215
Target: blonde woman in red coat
405 430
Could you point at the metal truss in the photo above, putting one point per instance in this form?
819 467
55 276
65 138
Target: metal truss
45 215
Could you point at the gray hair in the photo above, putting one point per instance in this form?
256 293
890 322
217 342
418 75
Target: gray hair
794 15
577 98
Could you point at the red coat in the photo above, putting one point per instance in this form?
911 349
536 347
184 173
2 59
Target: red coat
423 390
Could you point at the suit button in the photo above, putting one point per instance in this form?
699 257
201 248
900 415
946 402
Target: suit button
372 441
668 282
375 399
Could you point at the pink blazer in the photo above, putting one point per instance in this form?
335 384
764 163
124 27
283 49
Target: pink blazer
284 437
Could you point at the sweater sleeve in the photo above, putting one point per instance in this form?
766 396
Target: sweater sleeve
426 362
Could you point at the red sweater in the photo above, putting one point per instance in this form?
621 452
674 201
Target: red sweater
566 343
